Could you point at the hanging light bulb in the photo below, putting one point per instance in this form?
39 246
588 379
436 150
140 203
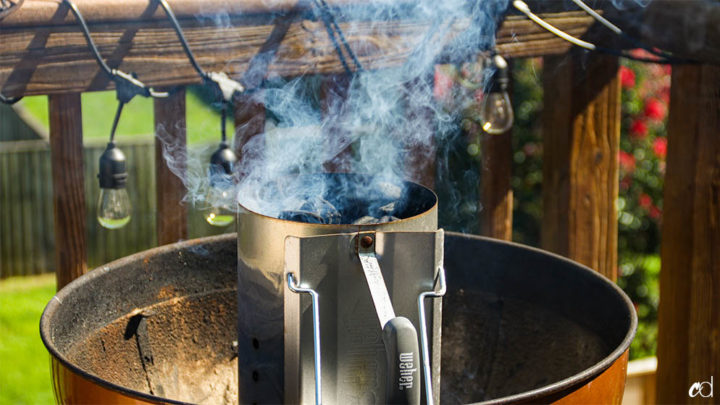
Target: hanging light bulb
113 207
497 114
220 198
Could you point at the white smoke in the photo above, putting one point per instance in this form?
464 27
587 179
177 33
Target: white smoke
372 129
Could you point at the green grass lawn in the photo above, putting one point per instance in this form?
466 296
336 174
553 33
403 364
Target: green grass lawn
24 362
98 111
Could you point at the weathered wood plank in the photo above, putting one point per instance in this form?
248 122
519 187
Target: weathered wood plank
50 59
581 136
333 92
171 212
421 158
249 117
496 194
689 313
66 153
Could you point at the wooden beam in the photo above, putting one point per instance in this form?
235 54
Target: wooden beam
496 196
333 92
689 313
171 212
44 52
422 151
66 154
249 115
581 136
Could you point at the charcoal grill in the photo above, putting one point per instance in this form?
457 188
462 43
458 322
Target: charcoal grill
519 325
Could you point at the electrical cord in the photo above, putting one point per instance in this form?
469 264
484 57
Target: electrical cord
116 120
9 100
523 8
335 32
183 41
127 85
222 84
8 7
223 124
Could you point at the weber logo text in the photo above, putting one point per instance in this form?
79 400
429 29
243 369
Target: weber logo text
703 389
406 371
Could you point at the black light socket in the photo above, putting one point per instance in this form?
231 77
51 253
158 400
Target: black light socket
112 174
221 163
499 79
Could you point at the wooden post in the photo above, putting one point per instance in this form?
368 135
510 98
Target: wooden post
171 212
421 156
66 155
689 313
333 91
249 114
581 136
496 194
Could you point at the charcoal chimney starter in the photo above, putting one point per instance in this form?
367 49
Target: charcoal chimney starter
321 245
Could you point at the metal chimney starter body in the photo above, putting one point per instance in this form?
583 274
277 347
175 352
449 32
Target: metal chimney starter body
265 342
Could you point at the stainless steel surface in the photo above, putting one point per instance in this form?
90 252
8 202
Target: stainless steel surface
261 252
375 281
427 370
316 333
353 353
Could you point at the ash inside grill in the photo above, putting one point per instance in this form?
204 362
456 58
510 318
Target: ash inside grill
355 199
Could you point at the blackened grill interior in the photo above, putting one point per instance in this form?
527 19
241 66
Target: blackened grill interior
348 198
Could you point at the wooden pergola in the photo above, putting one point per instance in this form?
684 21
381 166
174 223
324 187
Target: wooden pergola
43 52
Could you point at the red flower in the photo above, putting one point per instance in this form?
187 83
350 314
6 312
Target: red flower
627 161
655 110
638 129
625 183
665 94
443 84
645 201
660 147
655 212
627 77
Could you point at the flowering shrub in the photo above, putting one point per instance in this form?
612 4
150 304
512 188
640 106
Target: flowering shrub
643 147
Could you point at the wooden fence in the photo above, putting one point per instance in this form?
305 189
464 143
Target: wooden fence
27 240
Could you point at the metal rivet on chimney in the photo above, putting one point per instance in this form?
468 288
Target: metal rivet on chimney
366 241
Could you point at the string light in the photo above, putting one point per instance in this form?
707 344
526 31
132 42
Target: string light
497 112
114 208
219 203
